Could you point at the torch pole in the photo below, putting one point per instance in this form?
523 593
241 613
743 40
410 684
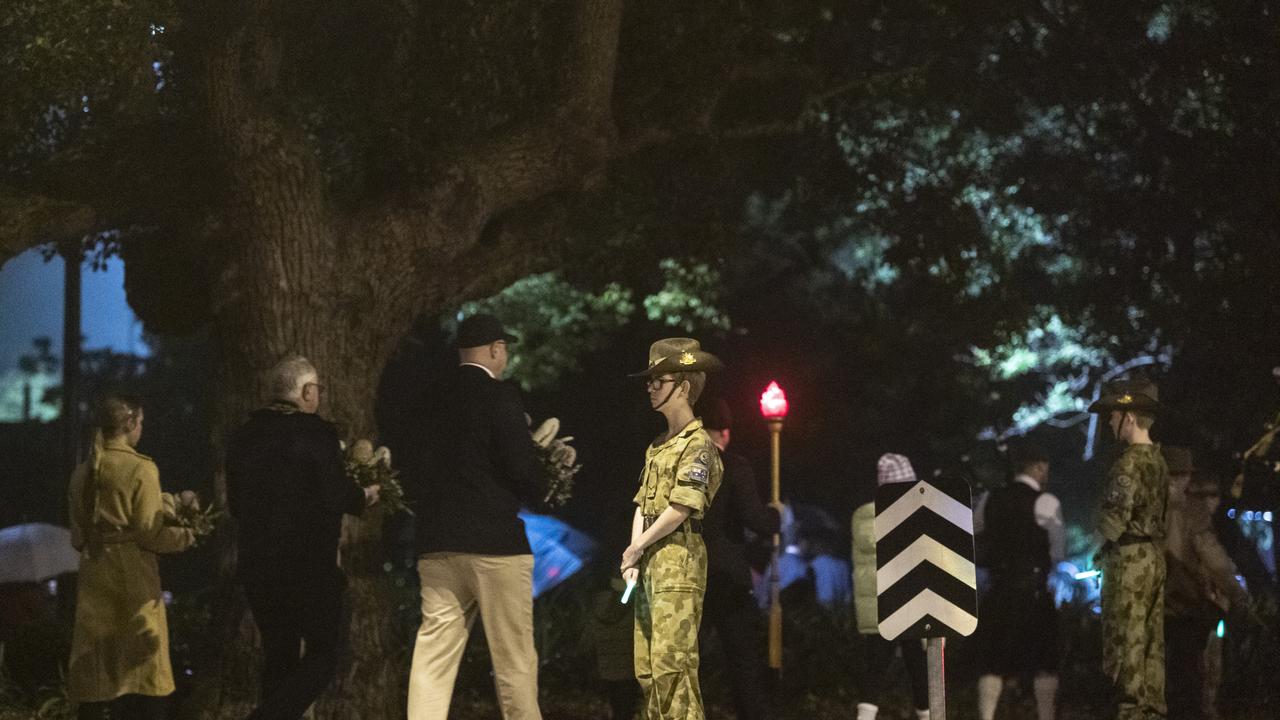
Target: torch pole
775 606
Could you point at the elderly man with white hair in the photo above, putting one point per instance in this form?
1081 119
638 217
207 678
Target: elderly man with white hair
288 491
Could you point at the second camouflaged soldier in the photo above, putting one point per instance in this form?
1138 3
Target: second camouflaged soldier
1132 522
667 555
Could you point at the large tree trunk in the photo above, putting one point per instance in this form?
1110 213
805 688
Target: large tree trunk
290 284
271 305
294 276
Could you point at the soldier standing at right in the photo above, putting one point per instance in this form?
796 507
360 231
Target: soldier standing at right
1132 522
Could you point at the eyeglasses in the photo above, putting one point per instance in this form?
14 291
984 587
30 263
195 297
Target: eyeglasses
657 383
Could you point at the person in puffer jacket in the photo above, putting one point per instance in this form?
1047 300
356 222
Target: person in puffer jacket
876 651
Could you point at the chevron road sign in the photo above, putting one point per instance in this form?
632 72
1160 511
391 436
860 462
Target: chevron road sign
926 583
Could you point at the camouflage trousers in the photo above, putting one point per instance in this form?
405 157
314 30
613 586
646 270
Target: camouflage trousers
1133 628
673 579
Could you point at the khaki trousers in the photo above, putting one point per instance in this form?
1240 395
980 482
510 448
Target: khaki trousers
455 588
673 575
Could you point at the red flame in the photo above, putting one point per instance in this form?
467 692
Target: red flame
773 402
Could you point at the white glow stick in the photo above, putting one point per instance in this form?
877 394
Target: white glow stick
626 594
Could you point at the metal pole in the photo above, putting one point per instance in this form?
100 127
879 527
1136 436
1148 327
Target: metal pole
937 679
71 258
775 606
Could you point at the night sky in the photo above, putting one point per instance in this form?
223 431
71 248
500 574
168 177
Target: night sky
31 306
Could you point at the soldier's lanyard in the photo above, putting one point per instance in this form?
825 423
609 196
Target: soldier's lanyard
1124 417
670 392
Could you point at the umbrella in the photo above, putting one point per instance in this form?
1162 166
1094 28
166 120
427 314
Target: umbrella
36 551
559 550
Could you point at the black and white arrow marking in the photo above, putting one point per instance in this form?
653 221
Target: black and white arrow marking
926 581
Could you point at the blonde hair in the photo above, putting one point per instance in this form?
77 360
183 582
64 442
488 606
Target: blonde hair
1143 420
111 418
112 415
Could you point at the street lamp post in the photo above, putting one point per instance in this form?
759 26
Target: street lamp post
72 258
773 406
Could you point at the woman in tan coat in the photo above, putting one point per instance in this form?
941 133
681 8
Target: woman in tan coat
120 648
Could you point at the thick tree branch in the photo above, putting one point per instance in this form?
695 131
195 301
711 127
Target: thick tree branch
518 244
32 220
109 181
559 150
652 138
709 125
587 85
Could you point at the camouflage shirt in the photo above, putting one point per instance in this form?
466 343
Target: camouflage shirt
1136 499
685 469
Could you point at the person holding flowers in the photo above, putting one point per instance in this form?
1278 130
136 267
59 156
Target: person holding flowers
288 490
119 664
478 465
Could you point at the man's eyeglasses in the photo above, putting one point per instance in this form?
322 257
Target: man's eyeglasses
657 383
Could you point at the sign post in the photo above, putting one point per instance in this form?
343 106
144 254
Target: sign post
926 582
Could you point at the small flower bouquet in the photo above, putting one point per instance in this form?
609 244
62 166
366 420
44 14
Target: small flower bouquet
184 510
559 461
366 466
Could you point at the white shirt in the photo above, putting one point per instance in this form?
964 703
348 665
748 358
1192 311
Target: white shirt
487 370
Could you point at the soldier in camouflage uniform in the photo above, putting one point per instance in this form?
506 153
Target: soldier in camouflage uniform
667 556
1132 522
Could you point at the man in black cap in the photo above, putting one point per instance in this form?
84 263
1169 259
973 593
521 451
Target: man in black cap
478 466
729 605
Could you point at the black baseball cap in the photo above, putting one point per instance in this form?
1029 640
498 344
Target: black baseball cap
482 329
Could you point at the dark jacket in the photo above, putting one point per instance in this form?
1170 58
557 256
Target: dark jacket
1201 579
475 465
288 491
1012 543
737 507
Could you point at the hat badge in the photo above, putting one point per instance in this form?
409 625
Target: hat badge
687 359
1125 399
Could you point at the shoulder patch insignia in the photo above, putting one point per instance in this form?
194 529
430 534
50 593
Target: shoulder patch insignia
699 470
